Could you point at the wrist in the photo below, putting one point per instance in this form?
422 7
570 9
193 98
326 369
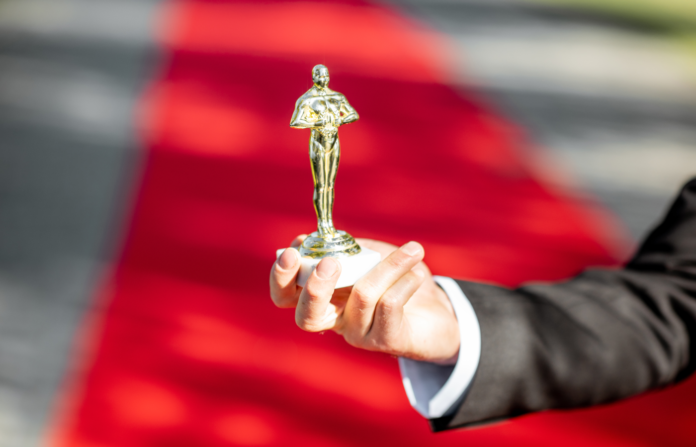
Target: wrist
433 388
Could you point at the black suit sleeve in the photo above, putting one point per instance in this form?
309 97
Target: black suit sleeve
601 336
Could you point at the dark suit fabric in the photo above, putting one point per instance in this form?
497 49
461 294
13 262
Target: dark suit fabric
601 336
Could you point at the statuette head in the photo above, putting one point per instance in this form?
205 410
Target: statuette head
320 76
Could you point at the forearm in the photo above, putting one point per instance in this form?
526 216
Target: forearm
304 124
347 119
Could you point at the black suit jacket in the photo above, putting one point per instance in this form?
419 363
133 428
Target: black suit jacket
601 336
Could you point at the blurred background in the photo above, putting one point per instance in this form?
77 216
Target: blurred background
147 175
606 87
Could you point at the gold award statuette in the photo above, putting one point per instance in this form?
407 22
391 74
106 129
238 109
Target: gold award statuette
323 111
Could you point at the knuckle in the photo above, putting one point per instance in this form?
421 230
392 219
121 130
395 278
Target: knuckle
361 295
307 325
388 304
314 291
398 260
379 342
354 340
382 343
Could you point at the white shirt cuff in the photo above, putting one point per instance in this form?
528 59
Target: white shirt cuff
436 390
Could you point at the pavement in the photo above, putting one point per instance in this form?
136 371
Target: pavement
71 72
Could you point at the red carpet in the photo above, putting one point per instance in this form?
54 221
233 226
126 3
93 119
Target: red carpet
190 351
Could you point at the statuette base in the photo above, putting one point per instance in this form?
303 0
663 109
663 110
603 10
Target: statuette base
352 267
338 245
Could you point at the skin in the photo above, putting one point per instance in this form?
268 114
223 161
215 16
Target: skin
396 308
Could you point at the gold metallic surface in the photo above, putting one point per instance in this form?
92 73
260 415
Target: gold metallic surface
323 111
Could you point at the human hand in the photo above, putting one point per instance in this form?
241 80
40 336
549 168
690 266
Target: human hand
396 308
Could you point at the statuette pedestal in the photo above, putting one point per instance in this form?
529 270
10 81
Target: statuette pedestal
352 267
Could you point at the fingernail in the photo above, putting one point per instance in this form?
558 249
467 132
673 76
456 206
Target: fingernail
288 259
326 268
412 248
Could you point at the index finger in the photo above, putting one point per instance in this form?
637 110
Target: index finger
359 311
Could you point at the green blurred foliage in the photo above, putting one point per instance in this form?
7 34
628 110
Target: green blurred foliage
673 20
668 15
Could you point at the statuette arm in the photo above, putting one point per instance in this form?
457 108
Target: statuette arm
302 117
348 113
